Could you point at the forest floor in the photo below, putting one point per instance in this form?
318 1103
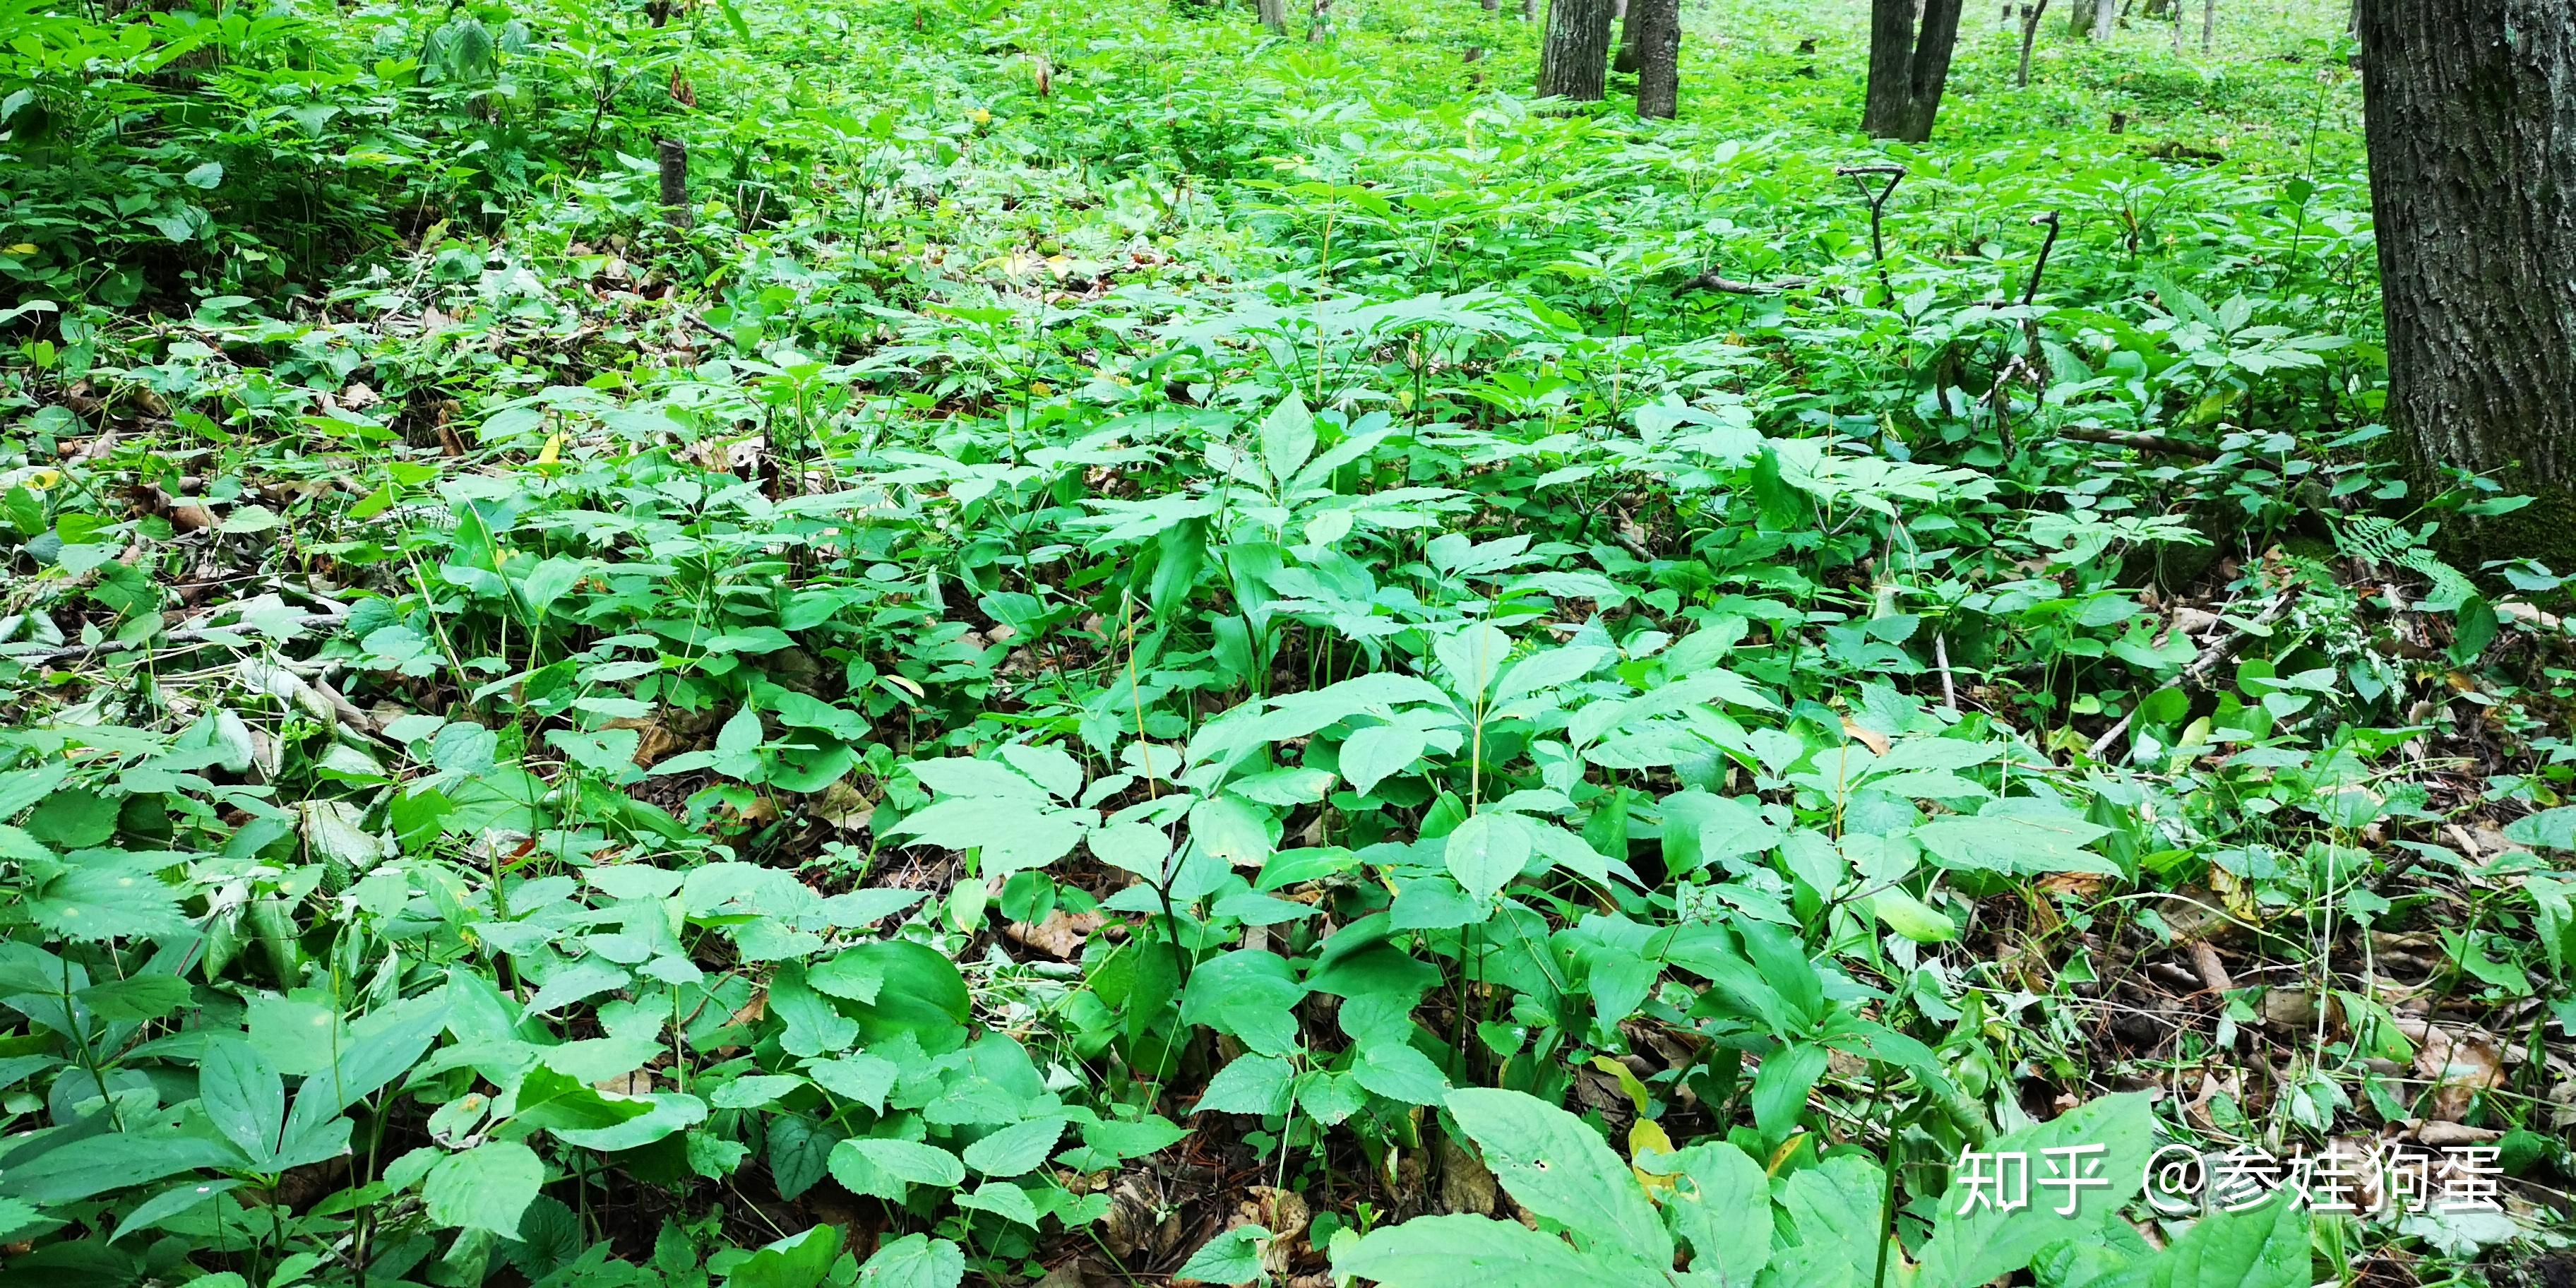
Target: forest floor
1048 678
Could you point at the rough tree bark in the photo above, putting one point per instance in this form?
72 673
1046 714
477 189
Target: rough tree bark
2470 115
1625 61
1909 66
1575 60
1659 56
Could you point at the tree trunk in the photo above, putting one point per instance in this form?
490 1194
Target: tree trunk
1625 62
1274 14
1908 66
1575 60
2030 16
2208 24
2105 13
1658 24
674 164
2470 114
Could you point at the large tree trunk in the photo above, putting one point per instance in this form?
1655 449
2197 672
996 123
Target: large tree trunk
1659 56
2470 114
1575 60
1909 66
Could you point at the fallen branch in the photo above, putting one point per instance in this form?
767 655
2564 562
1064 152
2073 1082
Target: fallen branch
690 316
2211 657
2138 442
1713 280
181 636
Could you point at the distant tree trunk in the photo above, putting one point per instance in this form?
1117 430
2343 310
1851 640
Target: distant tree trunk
1274 14
673 156
1575 60
1909 66
2208 24
2106 13
2470 114
1625 62
1659 56
2030 16
1529 10
1493 6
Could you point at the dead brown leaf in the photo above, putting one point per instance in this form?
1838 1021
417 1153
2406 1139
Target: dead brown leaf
1059 936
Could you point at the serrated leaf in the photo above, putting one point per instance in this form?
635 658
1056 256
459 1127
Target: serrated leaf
1973 1244
487 1187
2016 844
1232 1257
1486 852
1015 1150
1562 1170
1480 1252
1371 755
915 1261
1252 1084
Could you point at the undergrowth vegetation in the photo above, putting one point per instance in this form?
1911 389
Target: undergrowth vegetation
1127 649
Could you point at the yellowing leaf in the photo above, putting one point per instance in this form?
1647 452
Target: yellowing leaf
1627 1081
23 248
1646 1136
553 450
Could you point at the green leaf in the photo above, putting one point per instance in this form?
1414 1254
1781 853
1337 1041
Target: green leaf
912 1162
1015 1150
1562 1170
1371 755
97 1164
1975 1243
243 1096
915 1261
609 751
1836 1215
1231 830
797 1262
2553 829
209 175
1486 852
1287 438
1252 1084
1232 1257
799 1153
1718 1209
1480 1252
1781 1085
1912 918
2016 844
74 818
135 999
2264 1247
1014 835
1002 1199
164 1205
487 1187
1397 1071
923 996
